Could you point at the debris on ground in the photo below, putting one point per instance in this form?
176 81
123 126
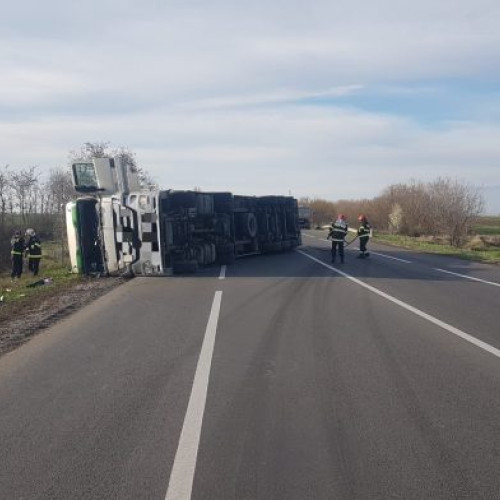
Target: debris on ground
43 281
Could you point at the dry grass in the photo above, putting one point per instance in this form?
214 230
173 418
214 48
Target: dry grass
479 248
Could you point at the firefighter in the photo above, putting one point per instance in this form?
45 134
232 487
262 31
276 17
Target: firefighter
16 253
364 233
33 251
338 232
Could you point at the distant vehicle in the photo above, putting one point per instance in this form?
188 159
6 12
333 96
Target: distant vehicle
305 217
117 226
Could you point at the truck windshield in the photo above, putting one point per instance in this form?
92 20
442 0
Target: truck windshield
84 176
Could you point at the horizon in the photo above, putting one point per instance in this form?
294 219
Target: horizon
336 101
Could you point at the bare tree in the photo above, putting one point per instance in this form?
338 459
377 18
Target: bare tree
457 205
59 188
396 218
129 158
99 149
22 184
443 207
5 186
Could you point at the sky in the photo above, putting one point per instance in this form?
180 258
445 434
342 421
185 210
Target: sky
330 99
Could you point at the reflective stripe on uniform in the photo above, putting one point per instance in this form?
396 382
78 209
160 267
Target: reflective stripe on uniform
13 252
364 236
35 256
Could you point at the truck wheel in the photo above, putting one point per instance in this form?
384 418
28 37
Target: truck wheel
251 225
200 254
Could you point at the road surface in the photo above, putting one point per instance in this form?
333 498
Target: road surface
280 377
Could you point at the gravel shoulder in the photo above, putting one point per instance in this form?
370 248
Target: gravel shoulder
24 320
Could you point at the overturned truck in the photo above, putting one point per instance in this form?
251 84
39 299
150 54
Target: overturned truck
115 226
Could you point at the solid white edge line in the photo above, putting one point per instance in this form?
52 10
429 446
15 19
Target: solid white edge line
465 276
391 257
222 274
414 310
181 478
376 253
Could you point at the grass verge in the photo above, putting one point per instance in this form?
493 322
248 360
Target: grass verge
490 255
17 295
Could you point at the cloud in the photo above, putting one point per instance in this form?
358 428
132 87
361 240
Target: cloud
334 99
334 152
278 96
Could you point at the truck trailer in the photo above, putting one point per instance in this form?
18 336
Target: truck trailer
116 226
305 217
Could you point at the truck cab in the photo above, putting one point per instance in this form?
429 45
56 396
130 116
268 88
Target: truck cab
102 231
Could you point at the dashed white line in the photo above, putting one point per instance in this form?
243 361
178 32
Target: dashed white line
414 310
181 478
222 274
391 257
465 276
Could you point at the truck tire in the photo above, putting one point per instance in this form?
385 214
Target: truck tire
200 254
251 225
206 253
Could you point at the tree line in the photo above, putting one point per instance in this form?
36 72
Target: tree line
28 199
443 207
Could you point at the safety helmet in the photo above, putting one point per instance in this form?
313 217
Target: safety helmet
30 232
361 218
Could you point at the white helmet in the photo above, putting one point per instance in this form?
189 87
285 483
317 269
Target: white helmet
30 232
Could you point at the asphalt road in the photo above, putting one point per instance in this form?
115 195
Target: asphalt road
281 378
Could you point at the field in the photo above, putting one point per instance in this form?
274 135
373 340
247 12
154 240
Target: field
482 245
488 226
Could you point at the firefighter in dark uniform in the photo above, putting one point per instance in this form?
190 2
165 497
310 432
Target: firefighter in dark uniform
33 251
364 233
16 253
338 232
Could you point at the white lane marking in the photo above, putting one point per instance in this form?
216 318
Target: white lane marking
391 257
376 253
414 310
465 276
222 274
181 478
